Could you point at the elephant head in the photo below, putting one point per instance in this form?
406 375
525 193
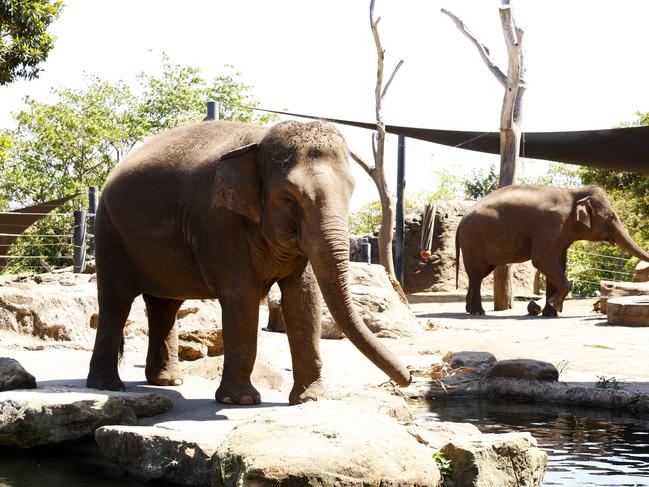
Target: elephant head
598 221
295 184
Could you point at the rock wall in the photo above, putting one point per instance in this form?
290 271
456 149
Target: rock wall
437 274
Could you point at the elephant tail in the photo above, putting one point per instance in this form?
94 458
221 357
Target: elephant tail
457 259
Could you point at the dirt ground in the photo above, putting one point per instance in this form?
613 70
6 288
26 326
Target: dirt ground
579 342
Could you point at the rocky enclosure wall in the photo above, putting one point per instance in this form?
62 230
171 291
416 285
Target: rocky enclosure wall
438 273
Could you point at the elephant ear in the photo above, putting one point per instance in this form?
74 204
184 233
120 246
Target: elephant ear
236 183
583 211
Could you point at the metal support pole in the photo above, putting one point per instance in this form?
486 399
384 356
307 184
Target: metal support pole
366 251
79 241
93 197
212 110
399 234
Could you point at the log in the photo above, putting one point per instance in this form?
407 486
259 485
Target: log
614 289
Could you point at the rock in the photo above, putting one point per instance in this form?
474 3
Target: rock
510 459
641 272
14 376
378 399
524 369
380 305
436 434
472 360
153 453
628 311
438 272
63 306
50 310
322 443
56 414
614 289
263 375
196 344
533 308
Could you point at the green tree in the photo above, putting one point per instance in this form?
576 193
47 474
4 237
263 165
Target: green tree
61 148
481 184
24 40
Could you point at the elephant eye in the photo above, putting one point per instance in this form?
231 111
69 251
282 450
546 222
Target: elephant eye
314 154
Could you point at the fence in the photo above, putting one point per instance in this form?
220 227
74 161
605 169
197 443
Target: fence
586 269
53 241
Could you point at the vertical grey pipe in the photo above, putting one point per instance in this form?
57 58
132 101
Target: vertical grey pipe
366 251
93 197
212 110
79 241
399 234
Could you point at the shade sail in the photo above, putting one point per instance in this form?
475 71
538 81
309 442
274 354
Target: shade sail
620 149
14 223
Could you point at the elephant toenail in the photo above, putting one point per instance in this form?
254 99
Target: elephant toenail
177 382
247 400
227 400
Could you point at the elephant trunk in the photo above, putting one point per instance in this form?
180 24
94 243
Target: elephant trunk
328 251
624 240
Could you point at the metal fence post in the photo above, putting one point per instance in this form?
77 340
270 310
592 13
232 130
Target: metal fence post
399 234
93 197
212 110
79 241
366 251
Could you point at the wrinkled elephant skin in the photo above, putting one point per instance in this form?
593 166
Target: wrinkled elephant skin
522 222
223 210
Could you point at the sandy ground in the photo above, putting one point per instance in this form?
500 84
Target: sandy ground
579 342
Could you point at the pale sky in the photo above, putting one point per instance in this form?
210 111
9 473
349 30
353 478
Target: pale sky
586 63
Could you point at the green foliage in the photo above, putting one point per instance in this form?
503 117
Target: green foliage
590 262
558 175
450 187
443 464
62 147
480 184
24 41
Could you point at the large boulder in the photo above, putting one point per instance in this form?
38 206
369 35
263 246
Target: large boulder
322 443
509 459
379 302
14 376
63 306
438 272
153 453
54 415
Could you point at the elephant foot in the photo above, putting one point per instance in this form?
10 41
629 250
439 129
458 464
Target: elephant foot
244 395
314 391
105 380
473 310
168 375
549 311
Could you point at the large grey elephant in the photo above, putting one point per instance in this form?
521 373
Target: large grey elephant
223 210
522 222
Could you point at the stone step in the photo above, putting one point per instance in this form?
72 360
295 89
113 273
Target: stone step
628 311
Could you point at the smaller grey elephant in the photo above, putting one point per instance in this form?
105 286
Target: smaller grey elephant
522 222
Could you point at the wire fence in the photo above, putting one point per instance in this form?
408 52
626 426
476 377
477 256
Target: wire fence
586 269
51 241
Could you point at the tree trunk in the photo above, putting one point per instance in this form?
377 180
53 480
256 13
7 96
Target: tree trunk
386 233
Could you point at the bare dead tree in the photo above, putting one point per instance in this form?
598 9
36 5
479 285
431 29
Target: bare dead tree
377 172
510 121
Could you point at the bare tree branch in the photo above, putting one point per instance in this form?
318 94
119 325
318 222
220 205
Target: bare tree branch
482 49
394 72
366 167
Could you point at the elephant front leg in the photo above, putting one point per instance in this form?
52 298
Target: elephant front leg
301 305
557 287
240 325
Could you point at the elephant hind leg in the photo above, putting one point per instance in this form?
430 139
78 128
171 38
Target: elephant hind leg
474 296
557 289
162 368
